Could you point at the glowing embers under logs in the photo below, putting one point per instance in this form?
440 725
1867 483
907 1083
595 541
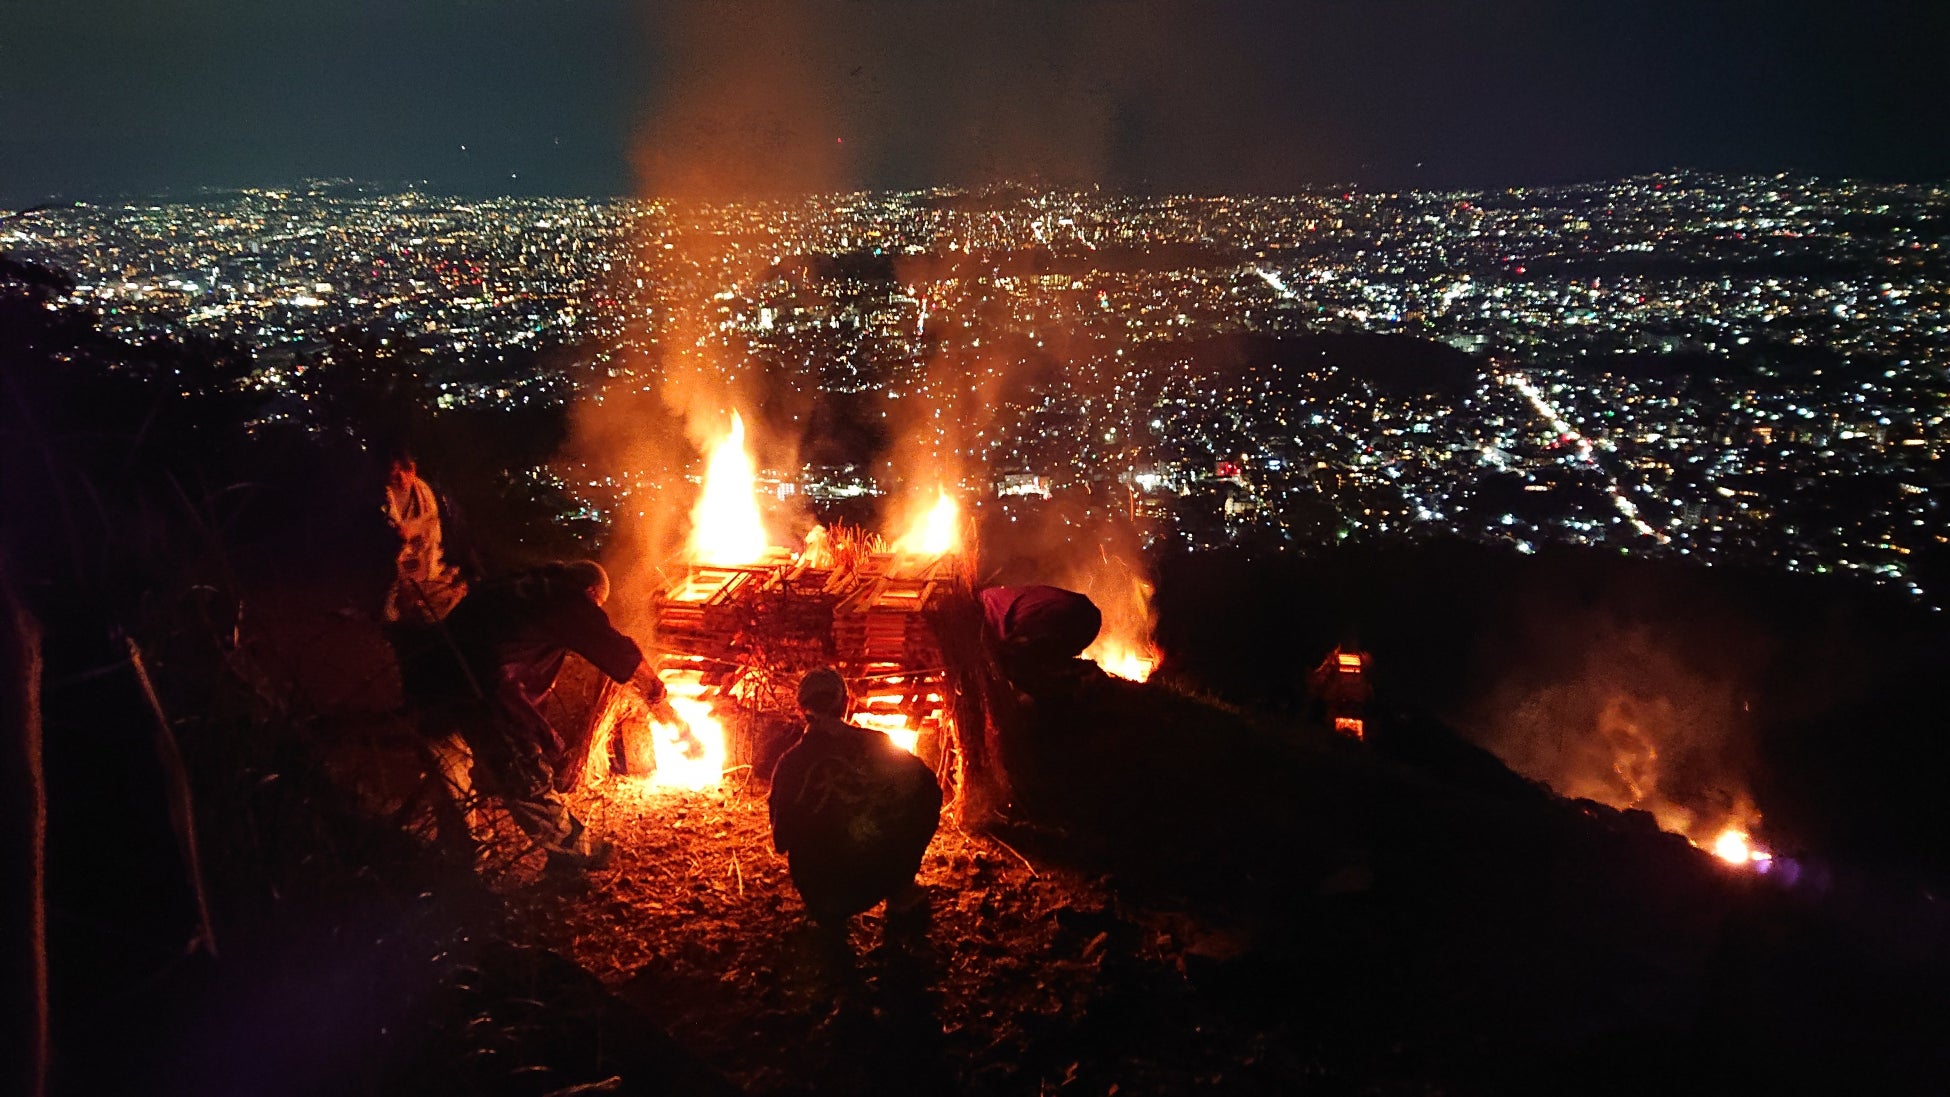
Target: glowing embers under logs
1123 658
901 707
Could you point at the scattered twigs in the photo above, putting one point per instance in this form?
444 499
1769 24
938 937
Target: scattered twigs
1014 850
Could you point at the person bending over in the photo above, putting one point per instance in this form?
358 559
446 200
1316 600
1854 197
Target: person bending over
511 636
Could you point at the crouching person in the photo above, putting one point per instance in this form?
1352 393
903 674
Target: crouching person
511 637
853 813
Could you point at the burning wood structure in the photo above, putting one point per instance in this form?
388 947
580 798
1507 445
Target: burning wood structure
737 639
737 624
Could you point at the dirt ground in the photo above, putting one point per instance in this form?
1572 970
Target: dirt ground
1032 979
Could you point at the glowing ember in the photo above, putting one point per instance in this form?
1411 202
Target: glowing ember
725 526
894 726
877 711
1735 848
938 531
1351 726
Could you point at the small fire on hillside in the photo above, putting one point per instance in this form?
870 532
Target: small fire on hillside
1735 848
1634 775
1125 647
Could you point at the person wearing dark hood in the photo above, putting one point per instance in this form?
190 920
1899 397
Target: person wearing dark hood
853 813
1038 634
511 636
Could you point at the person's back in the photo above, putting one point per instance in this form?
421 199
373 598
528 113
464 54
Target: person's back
852 812
529 621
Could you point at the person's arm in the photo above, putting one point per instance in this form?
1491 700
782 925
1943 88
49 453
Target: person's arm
783 804
587 632
646 682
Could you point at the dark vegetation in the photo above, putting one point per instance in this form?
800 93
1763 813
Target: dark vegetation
1837 688
1224 896
1392 365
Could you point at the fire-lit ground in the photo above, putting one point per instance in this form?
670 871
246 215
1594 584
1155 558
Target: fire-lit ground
1266 908
697 924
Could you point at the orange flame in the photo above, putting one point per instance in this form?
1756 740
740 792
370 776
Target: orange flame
937 531
690 755
1122 658
1626 771
893 725
725 525
877 711
1124 648
1735 848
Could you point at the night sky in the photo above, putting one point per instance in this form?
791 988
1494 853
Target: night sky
113 97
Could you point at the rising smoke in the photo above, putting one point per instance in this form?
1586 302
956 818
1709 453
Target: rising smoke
1624 714
763 102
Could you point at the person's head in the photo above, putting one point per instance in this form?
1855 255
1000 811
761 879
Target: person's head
823 692
401 468
592 577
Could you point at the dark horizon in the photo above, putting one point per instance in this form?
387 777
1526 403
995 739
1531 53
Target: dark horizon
610 97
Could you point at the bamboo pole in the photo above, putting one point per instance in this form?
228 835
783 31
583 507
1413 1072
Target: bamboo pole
23 799
182 814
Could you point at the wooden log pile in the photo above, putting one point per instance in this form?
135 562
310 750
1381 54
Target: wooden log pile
744 635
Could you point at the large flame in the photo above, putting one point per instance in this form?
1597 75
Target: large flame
938 530
725 526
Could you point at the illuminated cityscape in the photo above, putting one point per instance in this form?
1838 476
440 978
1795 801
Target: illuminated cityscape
1741 370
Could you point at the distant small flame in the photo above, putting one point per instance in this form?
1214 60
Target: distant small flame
937 531
725 525
1351 726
